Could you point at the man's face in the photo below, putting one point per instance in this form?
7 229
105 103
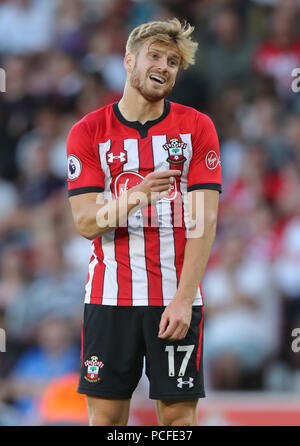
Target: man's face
155 70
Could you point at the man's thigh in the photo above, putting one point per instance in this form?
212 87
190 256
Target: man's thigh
174 368
112 352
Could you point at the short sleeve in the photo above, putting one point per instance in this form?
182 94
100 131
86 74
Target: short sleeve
205 166
84 168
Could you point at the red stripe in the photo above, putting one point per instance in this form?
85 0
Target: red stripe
121 242
153 266
151 235
179 229
98 278
124 274
178 232
199 343
201 293
81 359
97 284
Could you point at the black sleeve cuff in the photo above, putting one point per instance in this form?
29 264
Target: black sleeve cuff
85 190
212 186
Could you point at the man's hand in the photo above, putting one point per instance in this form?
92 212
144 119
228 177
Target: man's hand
157 185
175 320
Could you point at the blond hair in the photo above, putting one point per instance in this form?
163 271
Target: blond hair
168 32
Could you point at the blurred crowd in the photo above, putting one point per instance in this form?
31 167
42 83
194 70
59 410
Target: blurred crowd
63 59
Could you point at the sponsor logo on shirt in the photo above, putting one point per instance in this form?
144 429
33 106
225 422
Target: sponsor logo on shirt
212 160
127 180
111 157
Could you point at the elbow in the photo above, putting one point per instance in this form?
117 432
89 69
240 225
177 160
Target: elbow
84 232
210 225
204 228
87 235
83 228
89 231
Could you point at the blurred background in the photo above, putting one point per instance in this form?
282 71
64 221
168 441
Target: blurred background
63 59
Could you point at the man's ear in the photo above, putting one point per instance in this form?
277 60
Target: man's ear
129 61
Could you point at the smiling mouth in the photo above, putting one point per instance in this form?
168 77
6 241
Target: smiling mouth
158 79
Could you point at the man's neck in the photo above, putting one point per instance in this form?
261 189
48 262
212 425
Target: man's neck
134 107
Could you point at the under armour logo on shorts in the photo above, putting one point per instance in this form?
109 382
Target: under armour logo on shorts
181 383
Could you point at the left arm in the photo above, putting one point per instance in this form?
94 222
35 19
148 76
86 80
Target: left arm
176 318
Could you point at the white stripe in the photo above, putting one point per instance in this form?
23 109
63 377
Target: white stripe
183 188
104 147
136 237
166 234
131 147
183 184
88 287
110 282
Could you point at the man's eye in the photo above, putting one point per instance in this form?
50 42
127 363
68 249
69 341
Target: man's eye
154 56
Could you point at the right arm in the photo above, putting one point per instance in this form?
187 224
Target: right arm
93 217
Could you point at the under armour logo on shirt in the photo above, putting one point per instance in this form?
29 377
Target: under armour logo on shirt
111 157
181 383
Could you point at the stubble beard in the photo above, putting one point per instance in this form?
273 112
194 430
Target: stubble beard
150 95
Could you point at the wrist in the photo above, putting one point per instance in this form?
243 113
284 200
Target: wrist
185 297
141 193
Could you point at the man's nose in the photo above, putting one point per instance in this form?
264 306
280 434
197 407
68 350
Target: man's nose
163 63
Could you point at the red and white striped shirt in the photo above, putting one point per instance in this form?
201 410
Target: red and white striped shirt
140 263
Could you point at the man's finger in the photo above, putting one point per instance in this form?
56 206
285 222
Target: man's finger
162 181
164 194
167 173
169 331
177 334
163 324
161 188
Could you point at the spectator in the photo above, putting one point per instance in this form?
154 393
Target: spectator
53 355
280 54
62 405
70 33
26 26
104 58
226 57
16 110
242 311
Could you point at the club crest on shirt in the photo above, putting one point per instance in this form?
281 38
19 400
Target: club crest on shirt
74 167
93 366
175 149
